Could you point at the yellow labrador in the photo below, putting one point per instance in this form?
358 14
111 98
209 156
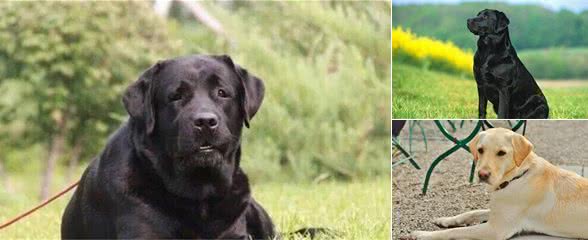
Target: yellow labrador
527 193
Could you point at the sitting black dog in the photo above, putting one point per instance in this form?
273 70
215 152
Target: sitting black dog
501 77
172 170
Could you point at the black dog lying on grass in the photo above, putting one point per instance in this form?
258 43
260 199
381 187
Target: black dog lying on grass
501 76
172 171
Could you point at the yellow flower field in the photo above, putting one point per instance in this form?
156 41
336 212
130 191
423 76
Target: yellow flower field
423 48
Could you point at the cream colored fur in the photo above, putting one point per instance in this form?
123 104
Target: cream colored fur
546 199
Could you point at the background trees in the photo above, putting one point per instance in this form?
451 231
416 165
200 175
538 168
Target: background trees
67 65
531 26
552 44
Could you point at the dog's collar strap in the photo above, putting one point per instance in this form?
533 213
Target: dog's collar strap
505 183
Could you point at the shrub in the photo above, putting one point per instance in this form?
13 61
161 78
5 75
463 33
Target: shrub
326 111
430 53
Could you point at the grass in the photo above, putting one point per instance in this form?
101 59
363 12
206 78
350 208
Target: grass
358 210
423 94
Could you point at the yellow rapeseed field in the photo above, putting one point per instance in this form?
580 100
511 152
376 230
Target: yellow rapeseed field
423 48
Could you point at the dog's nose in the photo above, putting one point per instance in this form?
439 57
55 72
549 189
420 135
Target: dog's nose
483 175
206 120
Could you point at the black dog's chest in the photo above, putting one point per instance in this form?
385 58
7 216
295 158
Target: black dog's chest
491 85
493 71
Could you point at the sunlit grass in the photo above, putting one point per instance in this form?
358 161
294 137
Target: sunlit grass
356 210
419 93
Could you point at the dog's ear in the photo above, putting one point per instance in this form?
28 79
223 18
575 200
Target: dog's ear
501 22
521 147
138 98
253 89
474 145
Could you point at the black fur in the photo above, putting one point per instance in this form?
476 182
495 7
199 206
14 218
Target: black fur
501 76
172 170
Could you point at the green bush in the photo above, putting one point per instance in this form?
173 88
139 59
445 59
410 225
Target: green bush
326 67
63 67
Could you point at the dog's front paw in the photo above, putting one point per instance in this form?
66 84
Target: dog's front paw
421 235
447 222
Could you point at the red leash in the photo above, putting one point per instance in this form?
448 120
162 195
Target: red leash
17 218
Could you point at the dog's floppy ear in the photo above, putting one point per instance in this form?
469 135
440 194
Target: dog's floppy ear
138 98
253 87
521 147
474 145
501 22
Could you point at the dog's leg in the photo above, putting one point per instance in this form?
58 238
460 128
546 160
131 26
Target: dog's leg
503 103
534 107
479 232
464 219
539 112
482 102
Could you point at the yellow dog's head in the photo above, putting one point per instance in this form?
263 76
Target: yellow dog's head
497 153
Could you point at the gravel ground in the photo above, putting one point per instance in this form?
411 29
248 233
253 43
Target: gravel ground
561 142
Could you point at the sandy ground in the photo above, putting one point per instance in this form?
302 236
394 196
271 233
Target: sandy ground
560 142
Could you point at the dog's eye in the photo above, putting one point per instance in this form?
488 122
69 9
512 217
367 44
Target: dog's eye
222 93
501 153
481 150
175 97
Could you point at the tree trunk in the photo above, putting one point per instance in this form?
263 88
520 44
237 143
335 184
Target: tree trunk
202 15
73 161
56 147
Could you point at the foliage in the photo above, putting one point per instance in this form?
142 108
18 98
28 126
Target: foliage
71 61
546 55
556 63
531 26
429 52
325 66
424 94
326 70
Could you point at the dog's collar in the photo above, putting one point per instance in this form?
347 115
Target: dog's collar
505 183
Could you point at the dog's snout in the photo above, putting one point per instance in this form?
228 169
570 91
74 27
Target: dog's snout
470 22
205 120
483 175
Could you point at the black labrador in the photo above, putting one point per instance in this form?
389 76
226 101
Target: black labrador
501 76
172 170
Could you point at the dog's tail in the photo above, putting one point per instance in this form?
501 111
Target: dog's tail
312 233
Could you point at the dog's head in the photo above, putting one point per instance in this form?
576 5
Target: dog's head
190 112
488 21
498 152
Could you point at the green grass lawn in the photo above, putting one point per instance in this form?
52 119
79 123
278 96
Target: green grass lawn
424 94
358 210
